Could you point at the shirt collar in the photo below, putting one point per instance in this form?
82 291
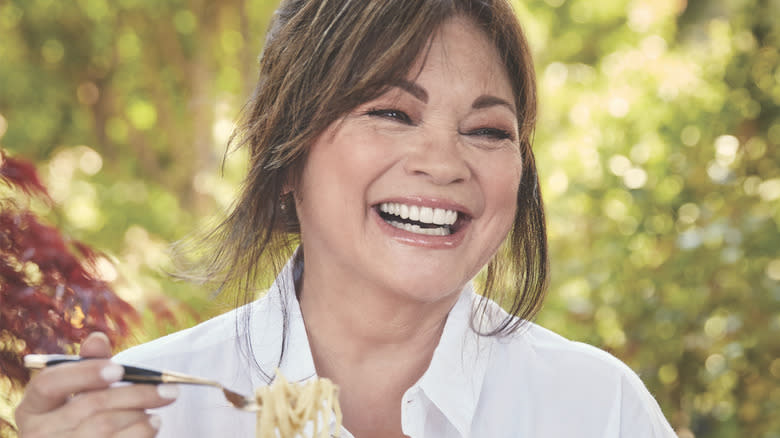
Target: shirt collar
276 313
283 312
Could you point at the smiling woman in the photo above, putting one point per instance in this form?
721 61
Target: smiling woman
440 143
389 140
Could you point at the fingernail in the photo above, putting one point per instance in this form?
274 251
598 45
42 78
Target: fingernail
155 422
168 391
112 373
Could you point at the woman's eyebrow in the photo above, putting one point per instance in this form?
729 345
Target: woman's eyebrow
412 88
484 101
487 100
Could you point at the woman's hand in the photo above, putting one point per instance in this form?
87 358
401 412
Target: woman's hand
77 400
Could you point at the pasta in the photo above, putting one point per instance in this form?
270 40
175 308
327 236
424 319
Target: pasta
286 408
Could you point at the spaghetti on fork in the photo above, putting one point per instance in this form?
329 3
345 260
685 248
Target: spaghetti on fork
286 408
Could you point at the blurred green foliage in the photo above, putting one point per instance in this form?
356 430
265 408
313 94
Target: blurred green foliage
657 145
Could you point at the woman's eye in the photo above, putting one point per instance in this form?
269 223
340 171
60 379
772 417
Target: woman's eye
391 114
491 133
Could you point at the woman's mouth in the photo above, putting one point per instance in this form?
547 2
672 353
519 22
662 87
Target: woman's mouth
420 220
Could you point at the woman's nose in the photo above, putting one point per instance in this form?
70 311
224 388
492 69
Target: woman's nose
439 158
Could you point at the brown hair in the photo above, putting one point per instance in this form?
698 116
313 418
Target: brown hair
321 59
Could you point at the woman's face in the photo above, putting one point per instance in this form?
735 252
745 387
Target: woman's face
413 192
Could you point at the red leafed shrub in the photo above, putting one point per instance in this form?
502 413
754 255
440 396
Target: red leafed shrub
50 297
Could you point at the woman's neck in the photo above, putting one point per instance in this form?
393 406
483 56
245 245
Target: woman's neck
361 325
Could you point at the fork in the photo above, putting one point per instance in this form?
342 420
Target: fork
144 375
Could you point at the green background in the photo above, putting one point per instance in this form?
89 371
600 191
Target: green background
657 146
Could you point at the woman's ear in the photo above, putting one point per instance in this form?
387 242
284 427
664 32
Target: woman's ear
287 197
291 186
287 187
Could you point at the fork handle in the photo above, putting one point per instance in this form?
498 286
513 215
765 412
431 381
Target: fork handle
132 374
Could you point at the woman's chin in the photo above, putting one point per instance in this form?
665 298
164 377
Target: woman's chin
423 290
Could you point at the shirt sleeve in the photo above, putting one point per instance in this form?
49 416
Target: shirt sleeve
637 414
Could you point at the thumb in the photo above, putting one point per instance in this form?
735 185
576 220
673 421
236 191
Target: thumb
96 345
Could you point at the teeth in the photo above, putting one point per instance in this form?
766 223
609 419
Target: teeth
414 213
438 216
439 231
427 215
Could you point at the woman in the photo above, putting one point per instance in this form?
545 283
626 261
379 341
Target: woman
391 140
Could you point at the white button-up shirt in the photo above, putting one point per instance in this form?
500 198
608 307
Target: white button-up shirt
534 383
